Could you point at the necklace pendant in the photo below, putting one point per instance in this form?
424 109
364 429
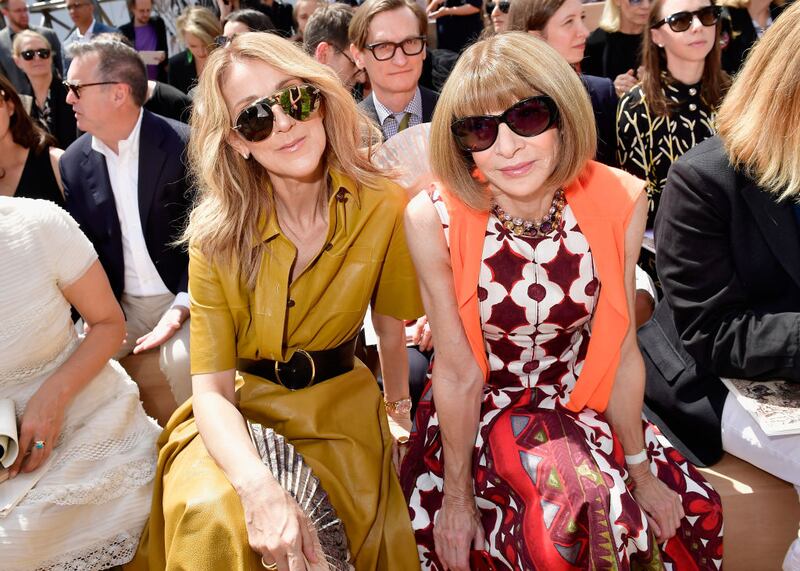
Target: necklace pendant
509 225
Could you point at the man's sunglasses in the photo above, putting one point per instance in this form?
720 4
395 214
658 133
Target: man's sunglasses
75 88
255 122
527 118
28 55
682 21
504 7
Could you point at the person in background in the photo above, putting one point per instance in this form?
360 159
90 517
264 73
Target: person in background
280 13
81 12
197 27
33 55
613 50
728 255
28 157
495 16
560 24
147 33
326 40
458 22
531 446
243 21
745 23
17 19
387 40
303 9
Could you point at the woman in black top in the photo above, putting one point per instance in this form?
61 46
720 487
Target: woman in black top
458 22
198 27
33 55
613 50
744 23
28 159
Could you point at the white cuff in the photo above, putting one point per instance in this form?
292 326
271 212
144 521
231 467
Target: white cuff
181 299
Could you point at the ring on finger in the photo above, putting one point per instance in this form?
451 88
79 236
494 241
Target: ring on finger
39 444
269 566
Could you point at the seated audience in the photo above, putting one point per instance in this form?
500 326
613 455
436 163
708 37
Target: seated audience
614 49
303 10
387 40
148 33
81 12
197 28
84 473
33 55
560 24
728 255
243 21
293 162
17 20
674 107
458 22
126 185
28 156
746 21
326 40
534 426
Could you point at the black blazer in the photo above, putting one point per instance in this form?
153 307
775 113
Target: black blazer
429 99
164 200
728 257
742 36
65 128
129 31
604 104
181 71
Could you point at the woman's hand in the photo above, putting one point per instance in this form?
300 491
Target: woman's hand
625 82
42 421
456 530
421 334
661 506
433 6
277 528
400 427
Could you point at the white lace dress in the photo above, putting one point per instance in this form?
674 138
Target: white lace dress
89 504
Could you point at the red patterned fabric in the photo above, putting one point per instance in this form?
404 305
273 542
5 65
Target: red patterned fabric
550 483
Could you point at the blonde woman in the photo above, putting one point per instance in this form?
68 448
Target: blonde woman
728 253
294 235
534 427
197 28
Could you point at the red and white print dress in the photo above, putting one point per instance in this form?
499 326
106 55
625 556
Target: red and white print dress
550 483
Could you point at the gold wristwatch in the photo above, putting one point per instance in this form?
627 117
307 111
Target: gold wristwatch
402 406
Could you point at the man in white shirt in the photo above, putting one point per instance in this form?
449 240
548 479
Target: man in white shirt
126 184
86 27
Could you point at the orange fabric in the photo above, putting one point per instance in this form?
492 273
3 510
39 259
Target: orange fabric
602 199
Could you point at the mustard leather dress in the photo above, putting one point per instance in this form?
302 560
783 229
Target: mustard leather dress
339 426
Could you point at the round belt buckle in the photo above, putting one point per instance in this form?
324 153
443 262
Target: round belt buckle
295 369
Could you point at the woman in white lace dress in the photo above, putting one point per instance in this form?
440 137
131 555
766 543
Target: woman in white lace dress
80 490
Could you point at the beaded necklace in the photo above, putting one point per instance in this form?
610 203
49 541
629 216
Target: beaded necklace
532 229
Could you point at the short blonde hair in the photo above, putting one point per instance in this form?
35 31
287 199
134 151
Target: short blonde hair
233 193
359 26
493 74
610 18
27 35
759 121
201 23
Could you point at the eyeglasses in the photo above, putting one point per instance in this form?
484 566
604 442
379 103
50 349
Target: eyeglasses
636 2
72 7
28 55
353 63
254 123
504 7
383 51
527 118
75 88
682 21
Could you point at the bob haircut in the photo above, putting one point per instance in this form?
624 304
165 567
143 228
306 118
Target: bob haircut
759 121
532 15
490 76
24 131
201 23
20 37
234 195
359 26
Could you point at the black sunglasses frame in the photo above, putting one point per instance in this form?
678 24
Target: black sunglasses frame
43 53
504 6
263 109
671 20
402 45
544 100
75 88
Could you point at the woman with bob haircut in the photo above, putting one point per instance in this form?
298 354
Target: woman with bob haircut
674 107
532 449
294 234
198 27
728 251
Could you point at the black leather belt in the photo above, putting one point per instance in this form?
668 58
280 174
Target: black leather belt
305 368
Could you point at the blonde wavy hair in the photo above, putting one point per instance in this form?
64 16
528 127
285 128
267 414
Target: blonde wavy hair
234 197
494 74
759 121
610 18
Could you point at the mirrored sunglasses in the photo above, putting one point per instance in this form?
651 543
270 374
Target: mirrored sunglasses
526 118
28 55
682 21
255 122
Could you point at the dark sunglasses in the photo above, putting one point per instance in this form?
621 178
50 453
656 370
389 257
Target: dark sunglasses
75 88
222 41
28 55
682 21
254 123
504 7
527 118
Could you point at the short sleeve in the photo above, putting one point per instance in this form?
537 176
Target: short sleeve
68 252
213 337
397 290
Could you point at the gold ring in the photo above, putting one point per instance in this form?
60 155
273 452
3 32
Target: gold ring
269 566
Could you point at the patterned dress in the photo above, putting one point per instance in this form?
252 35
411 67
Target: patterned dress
550 484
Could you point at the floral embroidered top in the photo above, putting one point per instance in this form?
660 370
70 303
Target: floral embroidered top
648 144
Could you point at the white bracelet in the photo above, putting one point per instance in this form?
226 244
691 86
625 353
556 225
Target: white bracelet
636 458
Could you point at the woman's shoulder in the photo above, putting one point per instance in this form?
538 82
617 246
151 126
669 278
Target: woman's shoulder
611 190
598 37
38 215
633 99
